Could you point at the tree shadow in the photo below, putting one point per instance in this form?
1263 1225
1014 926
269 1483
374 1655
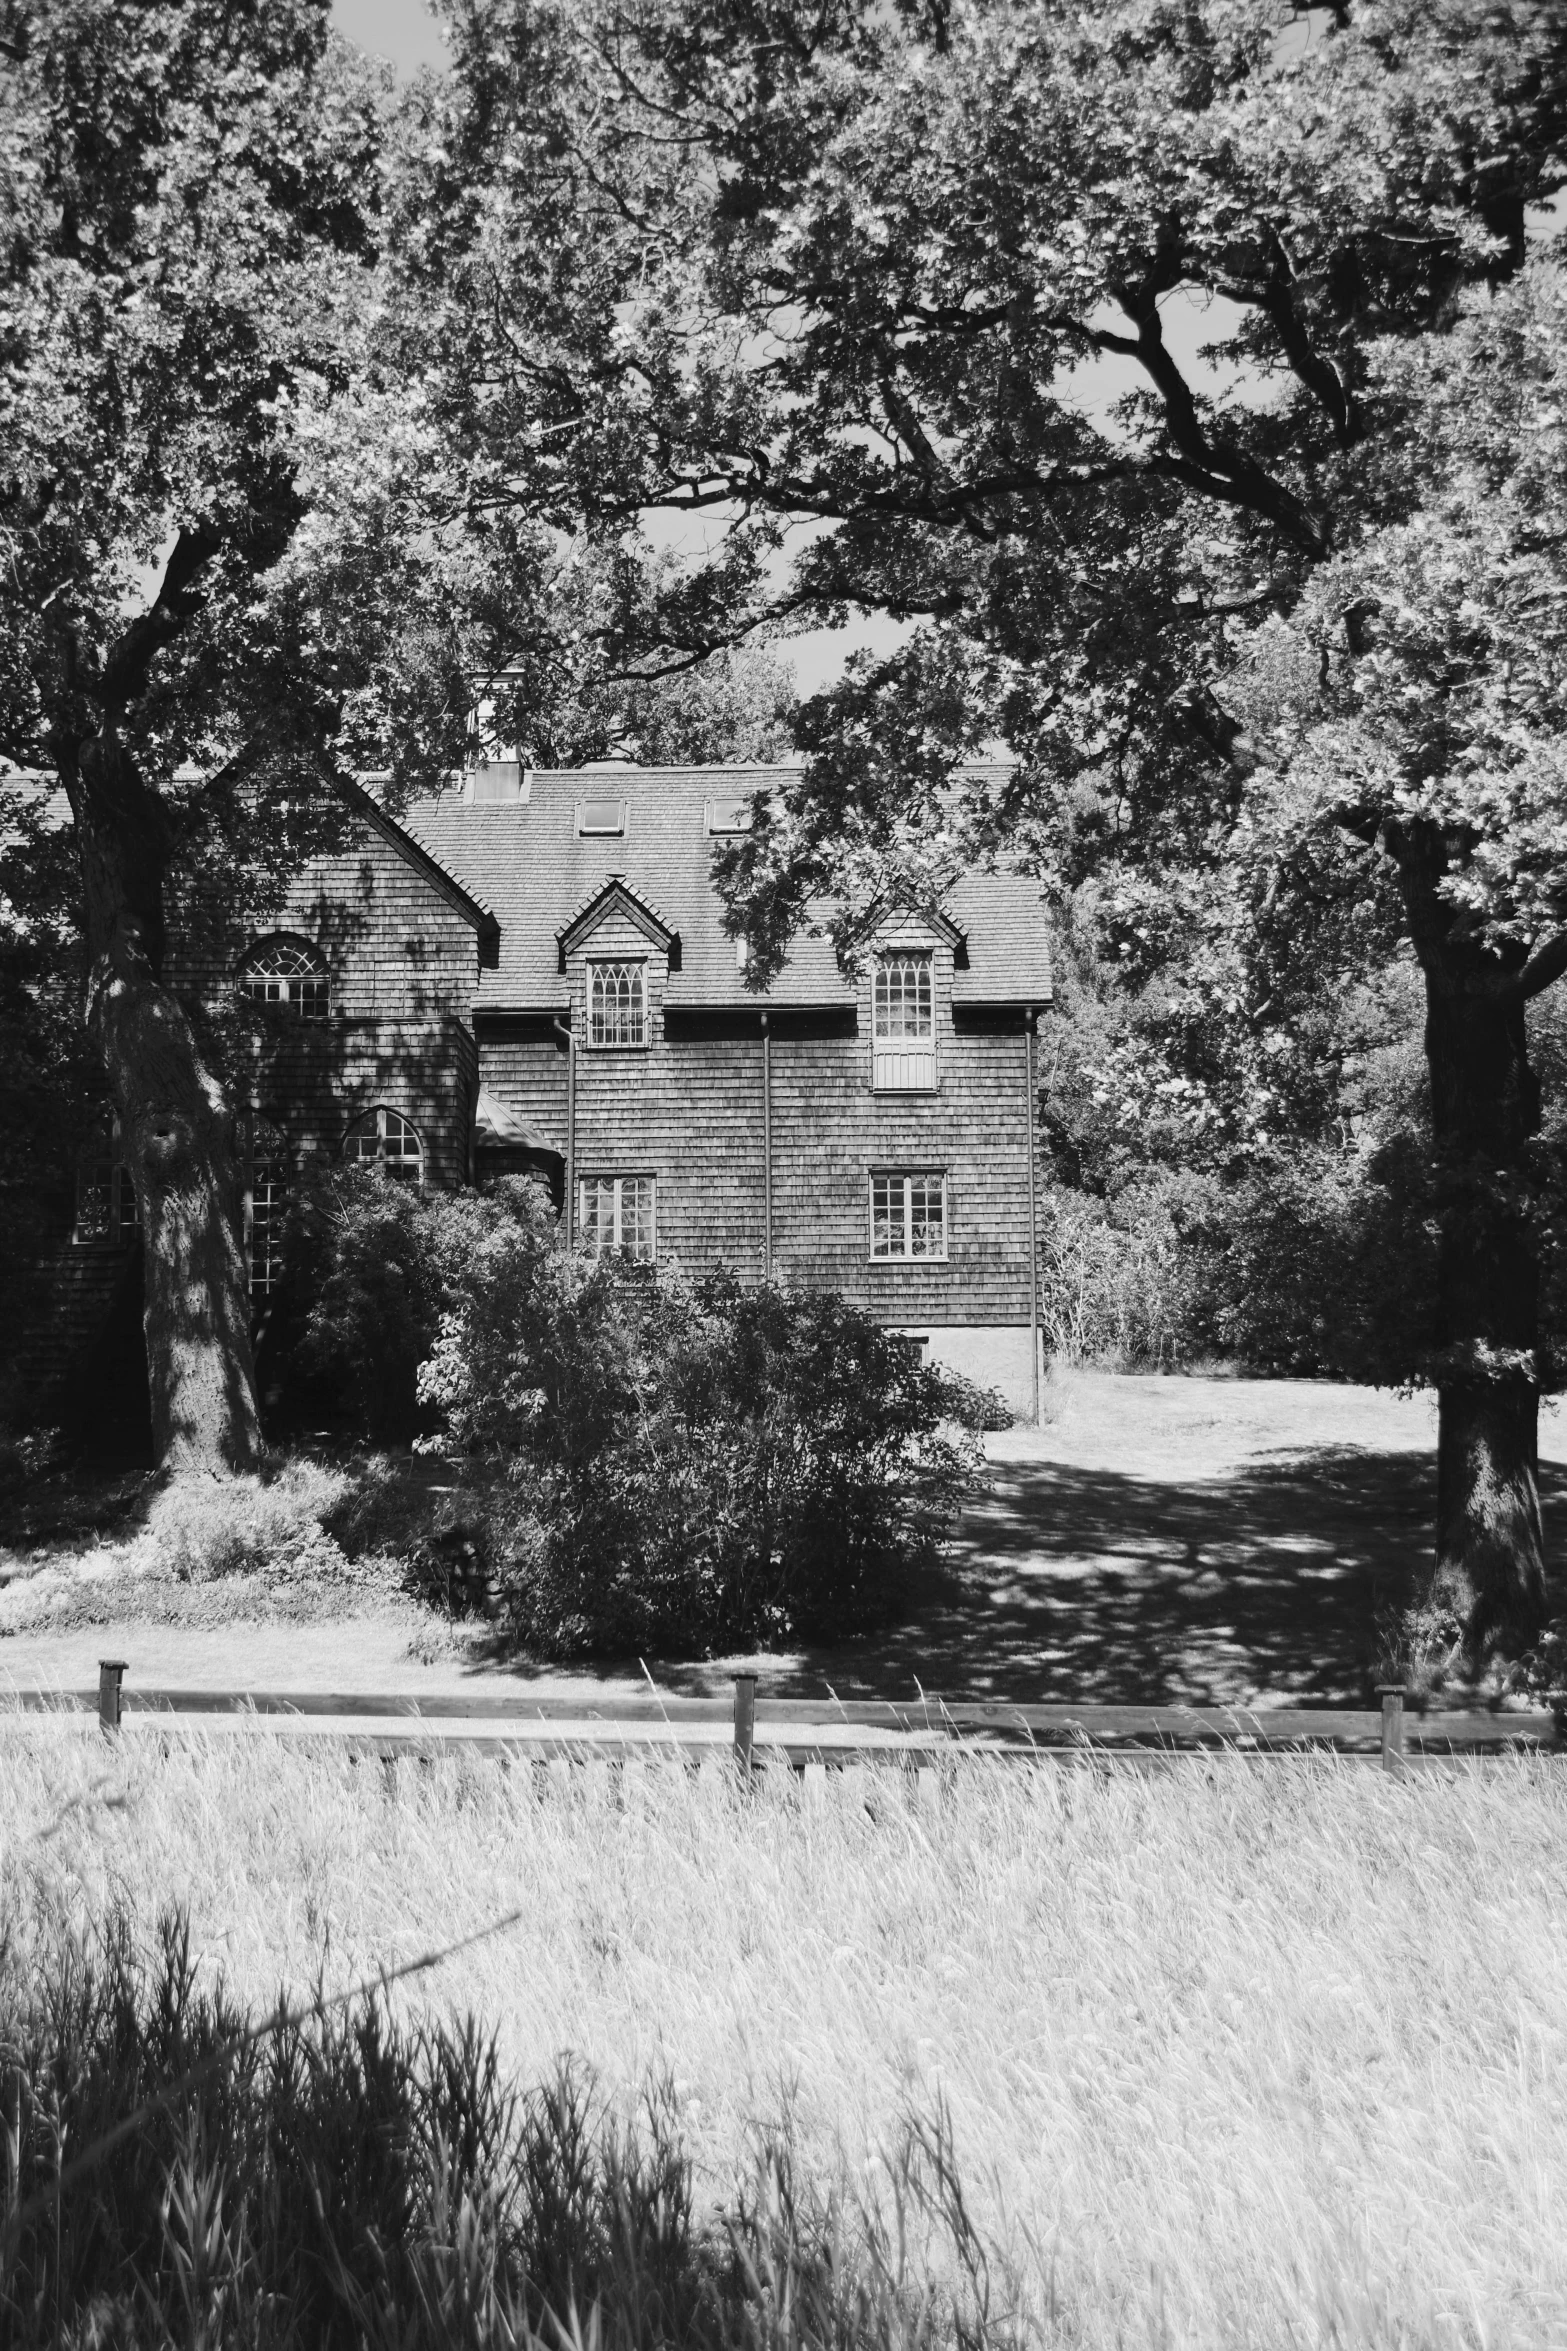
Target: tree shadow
1066 1583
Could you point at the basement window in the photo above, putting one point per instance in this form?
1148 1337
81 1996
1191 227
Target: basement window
618 1212
909 1215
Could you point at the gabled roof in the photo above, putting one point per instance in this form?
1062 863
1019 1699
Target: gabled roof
934 917
544 876
429 862
617 895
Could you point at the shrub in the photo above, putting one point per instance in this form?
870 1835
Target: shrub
693 1465
370 1266
201 1528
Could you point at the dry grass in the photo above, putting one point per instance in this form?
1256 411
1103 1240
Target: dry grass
1234 2055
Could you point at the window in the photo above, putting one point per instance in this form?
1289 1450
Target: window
106 1210
289 975
617 1004
270 1173
903 1022
909 1214
616 1212
386 1135
600 817
729 816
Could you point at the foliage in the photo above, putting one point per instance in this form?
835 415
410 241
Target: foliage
332 2177
689 1465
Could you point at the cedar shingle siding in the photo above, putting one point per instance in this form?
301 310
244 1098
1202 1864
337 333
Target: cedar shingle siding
455 942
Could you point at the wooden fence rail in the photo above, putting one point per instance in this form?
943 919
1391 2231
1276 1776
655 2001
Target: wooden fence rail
813 1731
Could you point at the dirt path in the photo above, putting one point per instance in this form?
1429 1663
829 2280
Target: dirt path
1228 1541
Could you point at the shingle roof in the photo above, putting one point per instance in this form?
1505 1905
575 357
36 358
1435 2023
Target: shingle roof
529 862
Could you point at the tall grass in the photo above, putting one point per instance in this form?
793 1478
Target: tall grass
1246 2053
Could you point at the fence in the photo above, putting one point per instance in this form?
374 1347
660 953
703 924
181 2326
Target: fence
808 1734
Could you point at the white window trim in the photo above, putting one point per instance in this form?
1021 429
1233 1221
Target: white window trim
616 963
634 1175
891 1056
380 1112
906 1175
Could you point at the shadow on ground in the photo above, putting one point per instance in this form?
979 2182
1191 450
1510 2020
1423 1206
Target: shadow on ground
1072 1583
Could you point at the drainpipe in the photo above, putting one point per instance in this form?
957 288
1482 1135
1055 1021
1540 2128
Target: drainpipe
1030 1031
562 1030
767 1151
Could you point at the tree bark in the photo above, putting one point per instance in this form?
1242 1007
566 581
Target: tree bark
175 1128
1490 1559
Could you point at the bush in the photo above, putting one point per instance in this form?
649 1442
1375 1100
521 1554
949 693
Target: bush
370 1266
202 1528
335 2179
705 1465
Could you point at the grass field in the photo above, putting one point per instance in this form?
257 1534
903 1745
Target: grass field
1234 2055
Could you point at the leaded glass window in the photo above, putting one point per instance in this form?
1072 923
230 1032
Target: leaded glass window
392 1139
617 1004
903 1021
909 1214
271 1173
288 975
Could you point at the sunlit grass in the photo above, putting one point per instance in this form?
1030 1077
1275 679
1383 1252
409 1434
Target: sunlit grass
1238 2053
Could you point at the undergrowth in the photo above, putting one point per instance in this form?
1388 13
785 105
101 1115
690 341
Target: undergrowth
175 2174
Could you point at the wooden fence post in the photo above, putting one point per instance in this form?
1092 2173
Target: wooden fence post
745 1721
1392 1697
111 1672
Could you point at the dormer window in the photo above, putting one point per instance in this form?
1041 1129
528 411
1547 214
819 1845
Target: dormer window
903 1021
287 975
600 819
617 1004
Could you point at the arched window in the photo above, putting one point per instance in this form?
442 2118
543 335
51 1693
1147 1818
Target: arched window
617 1004
271 1180
288 974
386 1135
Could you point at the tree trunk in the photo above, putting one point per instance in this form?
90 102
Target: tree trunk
175 1129
1490 1561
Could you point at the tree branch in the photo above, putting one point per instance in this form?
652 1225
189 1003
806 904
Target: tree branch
1541 971
124 673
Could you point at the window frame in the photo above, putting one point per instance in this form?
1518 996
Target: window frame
908 1177
597 964
617 1183
268 1146
381 1112
889 1048
290 1006
105 1171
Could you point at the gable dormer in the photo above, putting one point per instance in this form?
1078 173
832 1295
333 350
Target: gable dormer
617 951
909 958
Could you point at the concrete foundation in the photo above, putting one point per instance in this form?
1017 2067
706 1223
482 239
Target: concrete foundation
995 1355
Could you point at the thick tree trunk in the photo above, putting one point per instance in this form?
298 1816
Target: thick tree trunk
1490 1562
176 1131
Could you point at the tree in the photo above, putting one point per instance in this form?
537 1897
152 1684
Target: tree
882 254
188 200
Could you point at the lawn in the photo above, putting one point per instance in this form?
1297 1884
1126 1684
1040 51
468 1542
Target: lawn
1242 2054
1228 1541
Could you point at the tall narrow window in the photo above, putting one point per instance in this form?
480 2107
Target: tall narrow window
392 1139
288 975
617 1004
909 1214
903 1022
106 1210
617 1212
271 1170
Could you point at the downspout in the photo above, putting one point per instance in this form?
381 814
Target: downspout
767 1151
1030 1031
562 1030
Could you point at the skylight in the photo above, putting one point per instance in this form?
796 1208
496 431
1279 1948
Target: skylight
600 817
